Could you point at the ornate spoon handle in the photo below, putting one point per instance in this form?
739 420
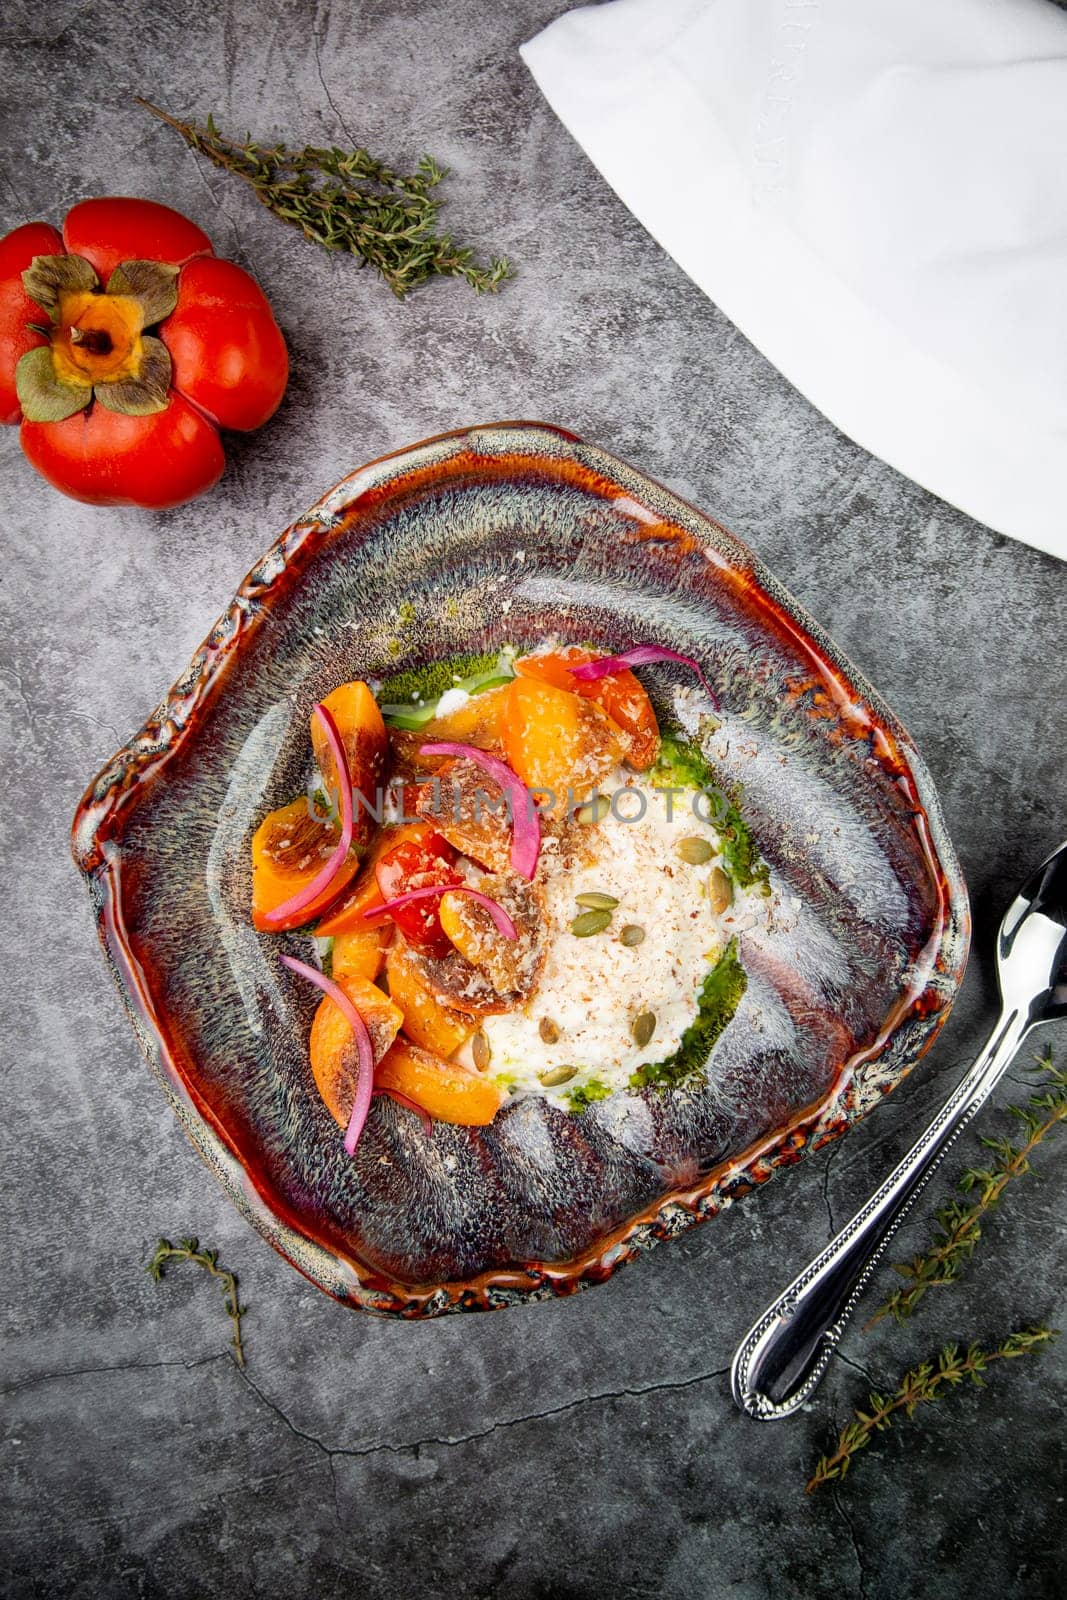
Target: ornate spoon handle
784 1355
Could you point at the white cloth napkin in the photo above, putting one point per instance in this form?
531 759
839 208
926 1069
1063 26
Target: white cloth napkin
875 192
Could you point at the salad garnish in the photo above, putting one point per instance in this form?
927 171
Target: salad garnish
640 655
322 880
364 1047
525 823
578 957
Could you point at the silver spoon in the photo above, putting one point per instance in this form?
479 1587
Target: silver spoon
784 1355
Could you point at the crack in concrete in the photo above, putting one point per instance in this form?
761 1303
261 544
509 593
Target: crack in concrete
326 88
121 1366
451 1442
856 1551
414 1445
856 1367
96 722
13 41
237 252
150 1512
13 677
11 674
10 184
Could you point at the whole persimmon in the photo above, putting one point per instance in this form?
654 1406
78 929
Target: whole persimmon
126 344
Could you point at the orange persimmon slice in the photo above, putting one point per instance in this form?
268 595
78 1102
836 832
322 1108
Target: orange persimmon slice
449 1092
558 740
288 848
359 955
426 1021
334 1061
621 695
479 723
366 744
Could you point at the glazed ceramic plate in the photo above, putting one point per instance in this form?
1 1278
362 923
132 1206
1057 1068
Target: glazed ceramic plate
468 541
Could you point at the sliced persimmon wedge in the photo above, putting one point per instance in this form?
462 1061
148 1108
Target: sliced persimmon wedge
559 741
334 1059
621 695
513 966
426 1022
288 848
480 722
292 844
359 955
366 744
470 810
446 1090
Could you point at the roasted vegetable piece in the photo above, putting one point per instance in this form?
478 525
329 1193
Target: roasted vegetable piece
480 722
288 848
459 985
446 1090
292 844
334 1061
359 722
621 695
559 741
426 1021
359 955
469 810
418 865
513 966
348 915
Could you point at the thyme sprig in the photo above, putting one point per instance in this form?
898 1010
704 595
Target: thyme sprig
960 1225
347 200
920 1386
189 1250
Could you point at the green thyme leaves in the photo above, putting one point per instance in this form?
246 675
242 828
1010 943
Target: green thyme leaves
346 200
920 1386
189 1250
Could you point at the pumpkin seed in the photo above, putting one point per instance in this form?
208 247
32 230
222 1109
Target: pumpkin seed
593 810
694 850
480 1051
548 1030
597 901
720 890
555 1076
588 922
642 1028
632 934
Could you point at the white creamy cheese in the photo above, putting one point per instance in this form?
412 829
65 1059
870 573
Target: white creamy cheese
592 988
452 700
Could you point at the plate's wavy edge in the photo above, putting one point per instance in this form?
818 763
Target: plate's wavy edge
907 1034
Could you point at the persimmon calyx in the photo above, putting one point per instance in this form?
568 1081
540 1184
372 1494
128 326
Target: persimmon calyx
97 344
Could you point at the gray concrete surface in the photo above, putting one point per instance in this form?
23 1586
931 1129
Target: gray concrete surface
582 1448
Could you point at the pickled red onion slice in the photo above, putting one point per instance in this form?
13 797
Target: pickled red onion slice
499 915
641 655
525 822
322 879
364 1047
